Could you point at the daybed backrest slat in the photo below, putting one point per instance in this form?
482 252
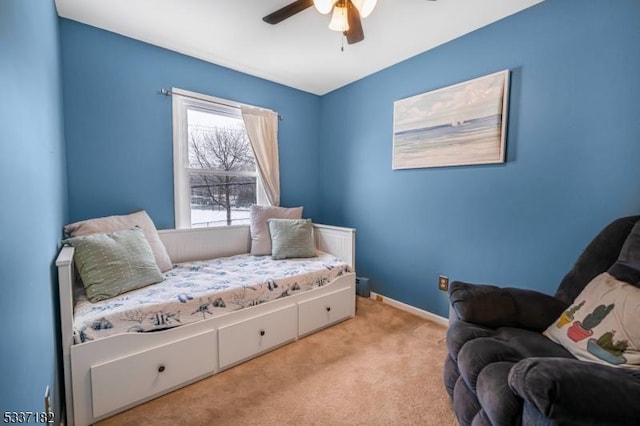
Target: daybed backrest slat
205 243
209 243
338 241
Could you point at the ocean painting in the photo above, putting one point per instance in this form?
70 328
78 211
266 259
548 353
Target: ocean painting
456 125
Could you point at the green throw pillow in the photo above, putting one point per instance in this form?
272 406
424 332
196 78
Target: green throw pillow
291 238
114 263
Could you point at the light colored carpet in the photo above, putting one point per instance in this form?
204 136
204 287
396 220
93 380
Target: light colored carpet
383 367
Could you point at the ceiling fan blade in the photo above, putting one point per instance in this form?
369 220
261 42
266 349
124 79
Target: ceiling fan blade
355 33
287 11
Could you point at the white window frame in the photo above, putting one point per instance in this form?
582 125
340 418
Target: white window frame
182 101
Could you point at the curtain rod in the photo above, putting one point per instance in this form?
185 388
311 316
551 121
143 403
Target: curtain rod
207 98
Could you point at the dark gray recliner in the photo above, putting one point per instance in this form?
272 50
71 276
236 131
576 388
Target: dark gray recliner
501 370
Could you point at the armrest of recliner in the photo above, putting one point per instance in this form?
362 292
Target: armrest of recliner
578 392
493 306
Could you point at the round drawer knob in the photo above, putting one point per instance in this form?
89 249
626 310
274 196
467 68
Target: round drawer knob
262 332
328 308
161 368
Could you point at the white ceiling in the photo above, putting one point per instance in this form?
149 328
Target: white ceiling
301 51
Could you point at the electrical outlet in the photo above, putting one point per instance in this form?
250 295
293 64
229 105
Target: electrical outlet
378 298
443 283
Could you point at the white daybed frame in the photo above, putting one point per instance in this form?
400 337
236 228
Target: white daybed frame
112 374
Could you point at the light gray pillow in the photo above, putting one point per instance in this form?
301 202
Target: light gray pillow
103 225
260 237
291 238
112 264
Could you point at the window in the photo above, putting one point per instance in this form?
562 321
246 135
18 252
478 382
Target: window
215 175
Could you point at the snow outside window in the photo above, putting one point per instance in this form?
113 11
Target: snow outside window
215 174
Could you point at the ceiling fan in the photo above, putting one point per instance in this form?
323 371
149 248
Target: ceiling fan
346 16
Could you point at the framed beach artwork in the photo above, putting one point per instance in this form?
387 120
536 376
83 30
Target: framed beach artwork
457 125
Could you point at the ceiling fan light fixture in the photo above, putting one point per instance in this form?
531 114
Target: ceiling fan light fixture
324 6
339 21
365 7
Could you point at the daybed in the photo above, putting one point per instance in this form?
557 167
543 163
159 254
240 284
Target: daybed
110 374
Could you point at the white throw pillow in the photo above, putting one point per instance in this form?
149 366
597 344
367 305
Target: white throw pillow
603 324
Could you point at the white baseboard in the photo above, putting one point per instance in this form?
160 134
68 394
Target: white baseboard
412 309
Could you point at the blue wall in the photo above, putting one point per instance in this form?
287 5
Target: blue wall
118 128
34 199
572 140
573 149
573 145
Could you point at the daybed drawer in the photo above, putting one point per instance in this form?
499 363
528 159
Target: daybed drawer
245 339
325 310
124 381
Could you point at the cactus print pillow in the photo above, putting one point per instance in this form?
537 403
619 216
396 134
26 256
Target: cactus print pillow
602 324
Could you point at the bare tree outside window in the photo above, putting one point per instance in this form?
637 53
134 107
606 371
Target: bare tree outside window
215 173
223 173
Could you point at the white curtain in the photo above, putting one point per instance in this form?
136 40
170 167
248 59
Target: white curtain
262 128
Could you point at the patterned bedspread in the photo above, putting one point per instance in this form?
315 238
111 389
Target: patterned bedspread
194 291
